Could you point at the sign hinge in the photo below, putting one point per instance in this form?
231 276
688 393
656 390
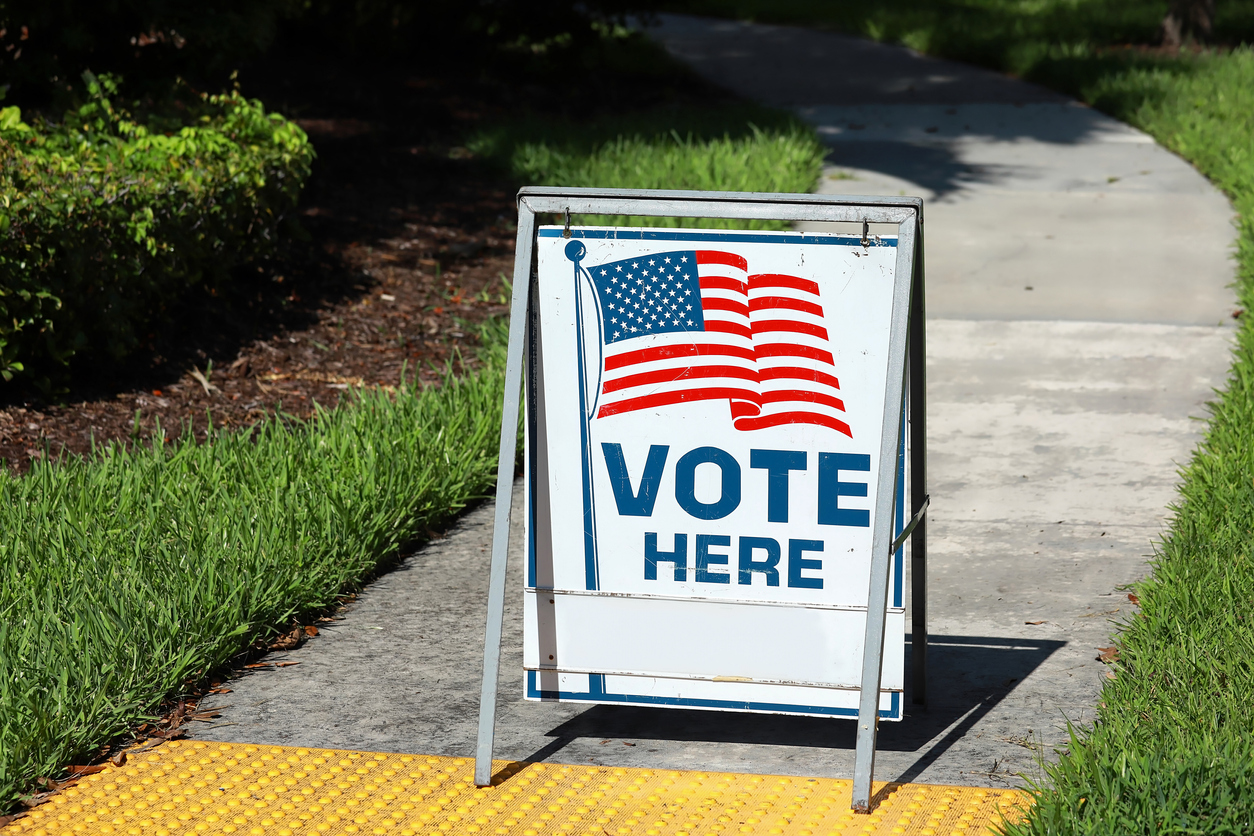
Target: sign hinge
914 521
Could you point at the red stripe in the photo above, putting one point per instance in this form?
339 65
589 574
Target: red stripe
793 350
729 328
781 418
791 326
803 396
668 398
667 352
716 257
798 373
780 280
671 375
715 304
765 303
722 283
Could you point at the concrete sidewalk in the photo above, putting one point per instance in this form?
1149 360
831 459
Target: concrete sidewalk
1077 298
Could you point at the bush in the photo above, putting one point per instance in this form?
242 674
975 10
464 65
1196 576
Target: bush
104 221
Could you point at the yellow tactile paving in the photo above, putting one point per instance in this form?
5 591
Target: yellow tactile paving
191 788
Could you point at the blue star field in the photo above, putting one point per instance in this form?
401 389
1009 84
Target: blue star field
655 294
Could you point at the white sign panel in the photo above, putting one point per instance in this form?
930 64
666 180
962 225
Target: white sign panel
704 419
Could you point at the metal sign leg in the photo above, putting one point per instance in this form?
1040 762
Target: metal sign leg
504 492
918 479
881 538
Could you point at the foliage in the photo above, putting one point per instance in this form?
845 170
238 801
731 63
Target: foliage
45 45
477 24
130 574
729 148
106 219
48 44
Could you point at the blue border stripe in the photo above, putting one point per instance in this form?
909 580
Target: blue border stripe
597 692
531 536
899 558
643 234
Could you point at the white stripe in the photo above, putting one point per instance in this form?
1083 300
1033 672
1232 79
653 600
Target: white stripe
681 362
741 386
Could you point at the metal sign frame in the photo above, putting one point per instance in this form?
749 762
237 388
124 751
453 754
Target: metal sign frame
906 372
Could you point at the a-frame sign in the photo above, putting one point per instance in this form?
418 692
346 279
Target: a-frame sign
726 459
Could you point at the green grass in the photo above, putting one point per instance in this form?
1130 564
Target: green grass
1172 750
722 148
125 576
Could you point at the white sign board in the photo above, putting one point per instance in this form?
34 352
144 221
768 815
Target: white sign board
704 417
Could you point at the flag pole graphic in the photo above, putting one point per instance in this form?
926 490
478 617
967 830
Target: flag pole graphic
575 251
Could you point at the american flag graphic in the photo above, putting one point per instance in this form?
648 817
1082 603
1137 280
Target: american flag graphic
695 325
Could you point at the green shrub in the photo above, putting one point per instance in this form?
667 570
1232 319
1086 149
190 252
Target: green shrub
105 220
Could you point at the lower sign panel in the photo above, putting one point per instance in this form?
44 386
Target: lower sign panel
722 655
711 696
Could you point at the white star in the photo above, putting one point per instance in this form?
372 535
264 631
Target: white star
602 272
668 259
619 268
685 258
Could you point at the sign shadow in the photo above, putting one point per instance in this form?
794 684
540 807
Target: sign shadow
970 676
